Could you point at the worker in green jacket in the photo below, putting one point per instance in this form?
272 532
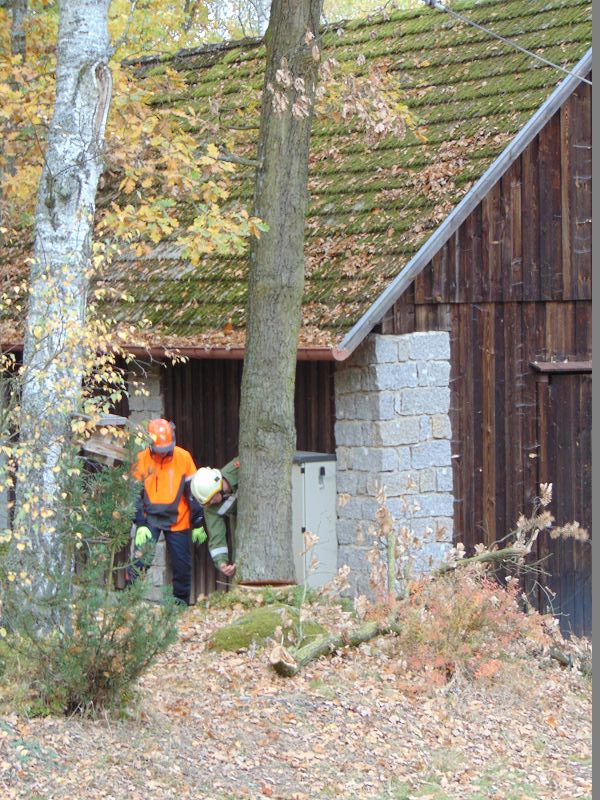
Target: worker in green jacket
216 491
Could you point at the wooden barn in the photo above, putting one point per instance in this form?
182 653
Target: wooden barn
446 341
475 226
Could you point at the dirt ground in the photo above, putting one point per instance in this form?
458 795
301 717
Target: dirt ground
354 725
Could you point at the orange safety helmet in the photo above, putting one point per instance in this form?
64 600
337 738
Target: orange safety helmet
162 433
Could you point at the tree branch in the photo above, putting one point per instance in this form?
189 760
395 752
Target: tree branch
487 557
289 664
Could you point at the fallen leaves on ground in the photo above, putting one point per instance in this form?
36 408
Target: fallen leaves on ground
353 725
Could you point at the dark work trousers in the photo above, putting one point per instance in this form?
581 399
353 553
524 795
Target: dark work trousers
179 549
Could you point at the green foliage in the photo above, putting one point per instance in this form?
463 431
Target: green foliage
100 503
101 639
92 664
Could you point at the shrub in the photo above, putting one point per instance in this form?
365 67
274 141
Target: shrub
102 639
466 622
92 666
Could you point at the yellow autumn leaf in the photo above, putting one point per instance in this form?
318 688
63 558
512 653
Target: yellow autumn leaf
127 185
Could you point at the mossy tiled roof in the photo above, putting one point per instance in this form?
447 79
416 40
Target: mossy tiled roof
371 207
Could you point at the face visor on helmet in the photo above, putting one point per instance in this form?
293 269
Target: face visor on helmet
162 434
205 484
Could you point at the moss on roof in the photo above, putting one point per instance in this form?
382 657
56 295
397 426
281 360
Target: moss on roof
372 207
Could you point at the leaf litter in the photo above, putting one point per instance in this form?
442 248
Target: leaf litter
356 724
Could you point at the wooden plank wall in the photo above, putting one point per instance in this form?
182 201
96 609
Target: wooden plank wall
202 397
513 286
565 410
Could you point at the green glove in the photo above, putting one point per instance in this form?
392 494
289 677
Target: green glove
198 535
142 535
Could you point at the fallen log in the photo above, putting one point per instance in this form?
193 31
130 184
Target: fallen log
582 663
288 663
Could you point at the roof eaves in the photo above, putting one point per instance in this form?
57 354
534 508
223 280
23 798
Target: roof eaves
315 353
459 214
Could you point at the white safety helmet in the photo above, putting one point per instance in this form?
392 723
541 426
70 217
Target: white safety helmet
205 484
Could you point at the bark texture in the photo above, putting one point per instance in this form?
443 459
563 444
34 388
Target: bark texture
17 29
60 270
288 664
267 429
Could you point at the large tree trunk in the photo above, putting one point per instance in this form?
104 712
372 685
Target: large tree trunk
60 272
267 429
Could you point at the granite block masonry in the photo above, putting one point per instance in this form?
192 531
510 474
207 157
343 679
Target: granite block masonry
393 432
147 404
144 406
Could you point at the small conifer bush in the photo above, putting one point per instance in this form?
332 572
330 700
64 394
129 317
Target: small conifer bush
102 638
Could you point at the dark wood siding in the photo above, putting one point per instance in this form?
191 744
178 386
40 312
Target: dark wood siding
564 413
202 398
513 286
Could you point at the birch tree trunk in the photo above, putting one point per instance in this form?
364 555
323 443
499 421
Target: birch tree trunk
262 11
17 29
18 44
267 427
60 273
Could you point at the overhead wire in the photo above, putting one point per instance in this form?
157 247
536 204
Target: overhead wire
441 7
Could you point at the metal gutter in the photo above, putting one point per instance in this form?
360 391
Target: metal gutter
455 219
319 353
316 353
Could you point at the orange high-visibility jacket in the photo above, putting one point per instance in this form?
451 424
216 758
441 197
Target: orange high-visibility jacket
164 503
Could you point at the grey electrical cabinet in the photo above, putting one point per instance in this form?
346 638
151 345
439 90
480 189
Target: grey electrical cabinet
314 510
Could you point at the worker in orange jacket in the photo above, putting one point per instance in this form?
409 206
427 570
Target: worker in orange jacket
165 505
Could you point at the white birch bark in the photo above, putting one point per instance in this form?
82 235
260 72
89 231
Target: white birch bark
60 270
262 9
18 43
17 29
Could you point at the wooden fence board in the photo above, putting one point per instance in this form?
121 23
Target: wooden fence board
458 367
566 199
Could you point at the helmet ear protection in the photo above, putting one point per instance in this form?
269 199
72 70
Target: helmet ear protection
205 484
162 433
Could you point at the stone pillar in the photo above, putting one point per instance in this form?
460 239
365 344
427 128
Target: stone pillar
145 395
393 431
146 402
